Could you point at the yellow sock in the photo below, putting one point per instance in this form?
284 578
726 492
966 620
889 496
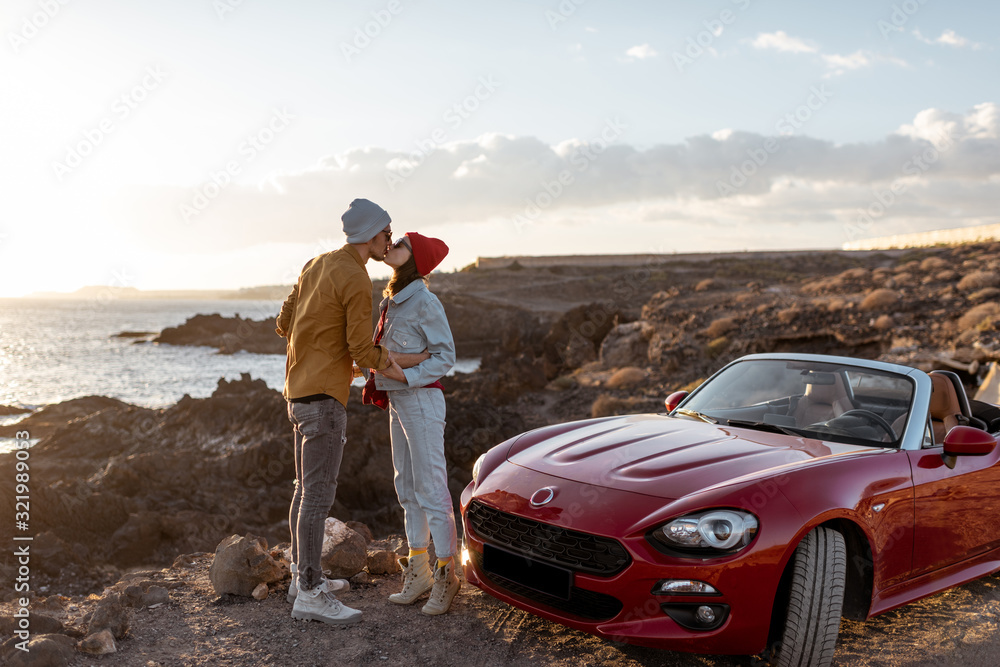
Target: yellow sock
444 561
417 552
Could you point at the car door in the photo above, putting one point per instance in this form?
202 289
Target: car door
956 509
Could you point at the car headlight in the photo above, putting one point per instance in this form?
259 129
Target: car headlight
476 467
714 531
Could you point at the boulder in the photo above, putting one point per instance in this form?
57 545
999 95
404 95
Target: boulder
383 561
113 613
578 351
344 550
627 345
361 529
241 564
43 651
575 337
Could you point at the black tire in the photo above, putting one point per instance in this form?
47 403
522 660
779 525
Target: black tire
819 570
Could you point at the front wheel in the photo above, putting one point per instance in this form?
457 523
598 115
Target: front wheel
816 596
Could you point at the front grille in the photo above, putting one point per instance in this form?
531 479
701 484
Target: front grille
570 549
582 603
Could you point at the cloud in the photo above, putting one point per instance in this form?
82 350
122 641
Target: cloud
781 41
949 163
856 60
980 124
836 64
949 38
641 52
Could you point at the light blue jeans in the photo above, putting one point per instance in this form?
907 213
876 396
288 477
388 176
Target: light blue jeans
320 431
416 428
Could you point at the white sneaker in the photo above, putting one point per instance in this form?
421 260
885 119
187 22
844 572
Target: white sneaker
319 604
293 587
332 586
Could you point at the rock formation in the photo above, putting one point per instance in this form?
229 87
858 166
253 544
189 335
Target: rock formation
229 335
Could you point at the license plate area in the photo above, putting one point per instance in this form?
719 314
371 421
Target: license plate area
539 576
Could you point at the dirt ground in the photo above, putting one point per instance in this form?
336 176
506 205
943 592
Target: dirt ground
957 627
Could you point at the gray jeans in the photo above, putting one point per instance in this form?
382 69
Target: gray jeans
320 431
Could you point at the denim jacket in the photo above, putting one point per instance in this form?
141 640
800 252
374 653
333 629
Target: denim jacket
416 322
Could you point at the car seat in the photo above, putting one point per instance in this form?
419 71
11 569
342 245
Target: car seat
822 402
946 409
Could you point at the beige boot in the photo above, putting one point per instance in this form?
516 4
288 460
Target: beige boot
446 585
417 579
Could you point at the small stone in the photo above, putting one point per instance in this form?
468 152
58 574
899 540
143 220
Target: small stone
99 643
260 592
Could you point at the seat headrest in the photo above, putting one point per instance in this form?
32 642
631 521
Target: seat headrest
826 393
822 393
944 398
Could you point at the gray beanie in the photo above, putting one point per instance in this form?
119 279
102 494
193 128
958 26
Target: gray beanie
363 220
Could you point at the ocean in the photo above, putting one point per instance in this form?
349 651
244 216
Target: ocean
52 350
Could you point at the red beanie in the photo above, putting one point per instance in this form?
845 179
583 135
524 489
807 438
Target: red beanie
427 251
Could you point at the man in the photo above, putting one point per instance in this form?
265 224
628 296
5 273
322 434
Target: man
327 320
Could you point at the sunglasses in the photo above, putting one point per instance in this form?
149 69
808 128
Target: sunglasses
401 242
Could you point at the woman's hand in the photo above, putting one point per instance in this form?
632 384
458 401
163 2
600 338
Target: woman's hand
410 359
393 371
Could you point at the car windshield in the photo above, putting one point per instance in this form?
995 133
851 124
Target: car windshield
829 401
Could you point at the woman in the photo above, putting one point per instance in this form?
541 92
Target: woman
412 320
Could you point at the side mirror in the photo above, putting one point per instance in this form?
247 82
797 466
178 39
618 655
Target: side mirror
968 441
674 399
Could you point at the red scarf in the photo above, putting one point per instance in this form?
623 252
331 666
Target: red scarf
372 396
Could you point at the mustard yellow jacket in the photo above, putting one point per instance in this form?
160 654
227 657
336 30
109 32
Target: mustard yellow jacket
327 320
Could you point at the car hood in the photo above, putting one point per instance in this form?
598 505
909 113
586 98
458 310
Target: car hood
667 457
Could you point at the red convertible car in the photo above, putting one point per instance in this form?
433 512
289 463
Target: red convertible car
785 492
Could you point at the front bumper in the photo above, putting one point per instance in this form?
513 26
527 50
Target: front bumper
621 607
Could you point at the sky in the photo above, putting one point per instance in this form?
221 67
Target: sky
206 144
